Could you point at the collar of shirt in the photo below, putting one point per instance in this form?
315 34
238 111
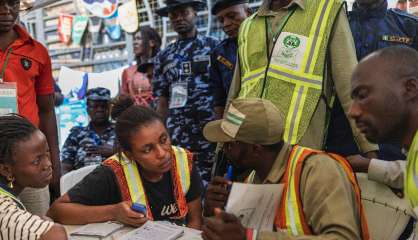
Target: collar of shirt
378 12
107 130
24 36
265 10
278 168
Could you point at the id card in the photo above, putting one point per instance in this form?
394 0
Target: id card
289 50
178 97
8 98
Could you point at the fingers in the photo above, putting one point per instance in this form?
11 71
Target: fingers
226 217
220 181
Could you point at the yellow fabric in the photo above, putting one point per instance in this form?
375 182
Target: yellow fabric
300 89
411 181
338 70
327 197
136 189
293 223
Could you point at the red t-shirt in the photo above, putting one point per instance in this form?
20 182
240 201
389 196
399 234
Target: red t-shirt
29 66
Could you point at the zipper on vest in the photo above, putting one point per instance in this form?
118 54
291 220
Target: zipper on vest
274 38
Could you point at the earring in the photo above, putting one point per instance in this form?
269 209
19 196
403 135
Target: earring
11 179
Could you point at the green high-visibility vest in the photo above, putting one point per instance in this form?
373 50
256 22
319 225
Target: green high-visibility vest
292 78
411 176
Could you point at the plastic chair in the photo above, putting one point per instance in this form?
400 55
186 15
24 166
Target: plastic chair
72 178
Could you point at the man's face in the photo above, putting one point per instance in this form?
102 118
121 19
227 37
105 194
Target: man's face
98 111
9 10
239 154
378 107
182 19
231 19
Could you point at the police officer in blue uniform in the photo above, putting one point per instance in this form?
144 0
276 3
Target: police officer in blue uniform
182 84
373 27
230 13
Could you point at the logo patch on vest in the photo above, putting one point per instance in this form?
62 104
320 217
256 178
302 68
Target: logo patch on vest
26 63
289 50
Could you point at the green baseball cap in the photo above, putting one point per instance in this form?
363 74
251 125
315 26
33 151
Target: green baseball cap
249 120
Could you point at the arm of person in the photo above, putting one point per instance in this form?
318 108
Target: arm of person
219 98
328 203
69 151
194 202
21 224
44 87
124 82
57 232
48 125
343 61
160 87
389 173
95 199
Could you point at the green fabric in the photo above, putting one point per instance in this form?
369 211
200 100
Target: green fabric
411 188
252 47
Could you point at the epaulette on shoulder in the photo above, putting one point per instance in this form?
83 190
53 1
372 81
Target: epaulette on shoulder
403 14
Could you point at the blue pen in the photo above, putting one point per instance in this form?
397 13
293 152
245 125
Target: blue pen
229 173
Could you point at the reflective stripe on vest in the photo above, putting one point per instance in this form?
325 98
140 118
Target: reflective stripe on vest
290 215
135 185
411 178
295 91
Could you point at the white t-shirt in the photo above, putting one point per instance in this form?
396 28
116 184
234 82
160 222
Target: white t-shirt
16 223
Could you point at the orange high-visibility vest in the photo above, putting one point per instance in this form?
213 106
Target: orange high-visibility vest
130 182
290 214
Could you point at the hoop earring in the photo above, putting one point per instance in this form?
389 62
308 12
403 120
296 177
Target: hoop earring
10 179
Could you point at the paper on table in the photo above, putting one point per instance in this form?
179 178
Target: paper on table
154 231
100 230
255 204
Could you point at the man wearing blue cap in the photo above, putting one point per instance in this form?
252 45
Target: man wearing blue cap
230 14
94 143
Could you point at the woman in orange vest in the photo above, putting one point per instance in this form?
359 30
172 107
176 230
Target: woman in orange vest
146 170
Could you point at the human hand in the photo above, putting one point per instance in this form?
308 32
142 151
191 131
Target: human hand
216 195
223 226
124 214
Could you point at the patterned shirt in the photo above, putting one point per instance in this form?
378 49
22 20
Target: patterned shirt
182 69
17 223
74 152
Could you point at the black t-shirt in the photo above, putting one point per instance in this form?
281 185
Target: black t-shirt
100 187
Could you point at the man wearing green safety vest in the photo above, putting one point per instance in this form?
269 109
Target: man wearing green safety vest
298 54
385 107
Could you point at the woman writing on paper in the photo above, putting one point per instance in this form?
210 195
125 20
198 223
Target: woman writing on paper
147 170
24 162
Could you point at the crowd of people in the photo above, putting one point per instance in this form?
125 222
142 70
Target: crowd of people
300 93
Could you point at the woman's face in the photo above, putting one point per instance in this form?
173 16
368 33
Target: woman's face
151 148
32 164
139 48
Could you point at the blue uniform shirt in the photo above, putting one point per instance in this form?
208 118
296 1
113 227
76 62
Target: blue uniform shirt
182 69
382 27
74 149
372 30
223 59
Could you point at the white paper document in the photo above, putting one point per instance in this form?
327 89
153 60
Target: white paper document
255 204
154 231
98 230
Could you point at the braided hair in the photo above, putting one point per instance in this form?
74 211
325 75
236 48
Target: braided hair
13 129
